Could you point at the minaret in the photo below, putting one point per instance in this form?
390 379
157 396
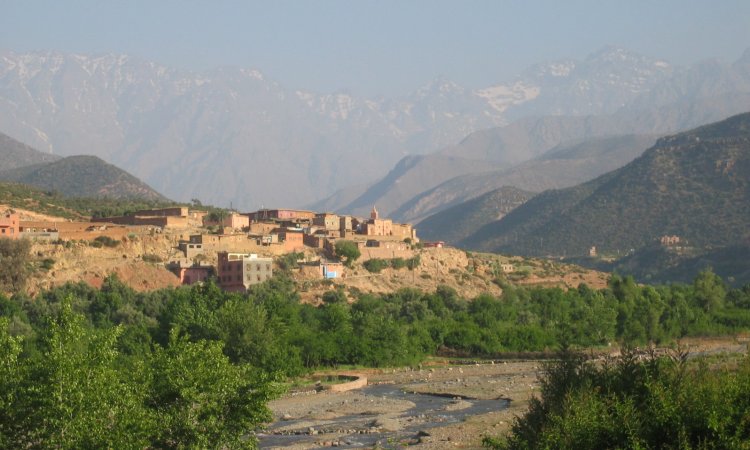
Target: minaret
373 213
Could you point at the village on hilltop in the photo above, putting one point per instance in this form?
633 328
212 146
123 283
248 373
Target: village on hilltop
237 249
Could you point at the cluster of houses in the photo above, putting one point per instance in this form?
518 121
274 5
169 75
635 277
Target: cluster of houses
238 239
235 241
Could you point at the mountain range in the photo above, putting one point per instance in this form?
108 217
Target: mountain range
233 135
694 185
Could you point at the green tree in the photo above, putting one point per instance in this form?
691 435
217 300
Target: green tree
14 264
709 290
349 250
72 396
202 400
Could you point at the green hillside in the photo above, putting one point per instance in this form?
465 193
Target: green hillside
457 222
695 185
82 176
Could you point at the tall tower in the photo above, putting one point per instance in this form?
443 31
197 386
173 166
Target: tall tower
373 213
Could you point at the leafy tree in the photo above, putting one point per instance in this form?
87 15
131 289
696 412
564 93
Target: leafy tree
709 290
349 250
73 395
14 264
202 400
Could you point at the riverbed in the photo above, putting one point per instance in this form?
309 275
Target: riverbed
436 407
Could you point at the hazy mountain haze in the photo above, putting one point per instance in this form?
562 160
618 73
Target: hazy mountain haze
374 47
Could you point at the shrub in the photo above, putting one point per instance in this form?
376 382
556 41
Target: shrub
375 265
398 263
151 258
47 264
105 241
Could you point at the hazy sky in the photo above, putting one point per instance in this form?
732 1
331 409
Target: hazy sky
372 47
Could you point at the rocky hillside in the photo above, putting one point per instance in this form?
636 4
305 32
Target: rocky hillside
82 176
695 185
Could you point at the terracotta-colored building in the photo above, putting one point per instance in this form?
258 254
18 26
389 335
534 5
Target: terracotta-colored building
233 220
331 269
9 225
297 215
191 274
292 239
178 211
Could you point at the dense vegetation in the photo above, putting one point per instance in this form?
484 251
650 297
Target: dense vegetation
632 402
269 328
194 366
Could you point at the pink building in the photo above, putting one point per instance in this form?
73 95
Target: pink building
9 225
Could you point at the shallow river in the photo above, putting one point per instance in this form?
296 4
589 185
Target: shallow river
429 411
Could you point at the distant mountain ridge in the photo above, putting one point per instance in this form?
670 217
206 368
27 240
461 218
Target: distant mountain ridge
563 166
234 135
695 185
82 176
456 223
518 150
15 154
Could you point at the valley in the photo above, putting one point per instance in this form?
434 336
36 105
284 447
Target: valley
305 225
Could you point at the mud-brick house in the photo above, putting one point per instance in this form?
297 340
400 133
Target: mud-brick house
292 239
190 273
9 225
328 221
233 220
280 215
238 271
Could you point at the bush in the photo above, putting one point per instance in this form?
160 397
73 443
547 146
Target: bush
105 241
375 265
151 258
413 262
47 264
634 402
398 263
